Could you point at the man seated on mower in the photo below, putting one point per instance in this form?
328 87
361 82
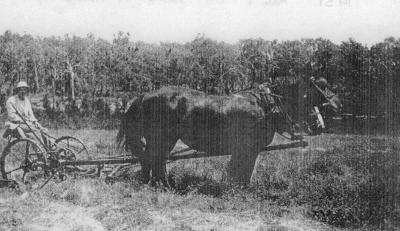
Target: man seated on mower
20 115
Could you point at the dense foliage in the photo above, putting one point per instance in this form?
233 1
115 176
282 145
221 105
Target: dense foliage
74 67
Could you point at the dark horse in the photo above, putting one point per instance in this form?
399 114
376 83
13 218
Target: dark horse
240 125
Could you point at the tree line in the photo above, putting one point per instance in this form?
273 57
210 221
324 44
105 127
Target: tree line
366 77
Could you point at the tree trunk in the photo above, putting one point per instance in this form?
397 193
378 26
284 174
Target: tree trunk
72 80
53 83
36 78
11 87
19 74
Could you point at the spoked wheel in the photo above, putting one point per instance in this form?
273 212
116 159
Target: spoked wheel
75 146
74 149
23 160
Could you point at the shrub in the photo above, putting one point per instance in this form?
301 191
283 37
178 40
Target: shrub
71 114
353 184
350 189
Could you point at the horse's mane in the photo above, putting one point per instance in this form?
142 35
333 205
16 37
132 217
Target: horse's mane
287 80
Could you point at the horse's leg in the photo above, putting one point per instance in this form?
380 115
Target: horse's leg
145 173
158 169
138 149
145 162
161 164
158 151
241 166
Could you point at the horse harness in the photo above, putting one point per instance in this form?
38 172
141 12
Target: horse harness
265 98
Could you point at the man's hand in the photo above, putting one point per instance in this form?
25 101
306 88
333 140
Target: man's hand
41 128
35 123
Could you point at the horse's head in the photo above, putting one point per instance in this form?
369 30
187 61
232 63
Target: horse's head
305 107
318 107
321 105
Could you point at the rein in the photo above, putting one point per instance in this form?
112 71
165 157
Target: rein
27 124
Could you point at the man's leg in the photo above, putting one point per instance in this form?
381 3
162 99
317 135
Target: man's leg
29 132
21 132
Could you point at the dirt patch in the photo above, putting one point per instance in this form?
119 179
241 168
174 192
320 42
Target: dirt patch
62 216
303 225
187 219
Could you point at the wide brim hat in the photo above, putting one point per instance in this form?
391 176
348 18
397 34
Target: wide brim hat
20 85
321 82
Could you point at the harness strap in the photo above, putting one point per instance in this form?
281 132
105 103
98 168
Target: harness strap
277 102
263 102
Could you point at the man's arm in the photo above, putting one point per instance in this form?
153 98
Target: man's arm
31 116
12 114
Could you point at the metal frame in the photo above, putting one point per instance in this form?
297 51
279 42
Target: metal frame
57 165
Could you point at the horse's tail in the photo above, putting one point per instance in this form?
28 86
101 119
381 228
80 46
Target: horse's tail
122 131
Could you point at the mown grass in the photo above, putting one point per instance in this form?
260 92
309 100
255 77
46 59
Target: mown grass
346 181
129 206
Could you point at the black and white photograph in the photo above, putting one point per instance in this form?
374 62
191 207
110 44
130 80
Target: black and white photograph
199 115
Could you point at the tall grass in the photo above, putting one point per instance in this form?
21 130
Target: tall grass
354 182
343 180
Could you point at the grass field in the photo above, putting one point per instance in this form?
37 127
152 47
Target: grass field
338 182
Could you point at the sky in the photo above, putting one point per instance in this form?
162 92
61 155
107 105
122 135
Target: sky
367 21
